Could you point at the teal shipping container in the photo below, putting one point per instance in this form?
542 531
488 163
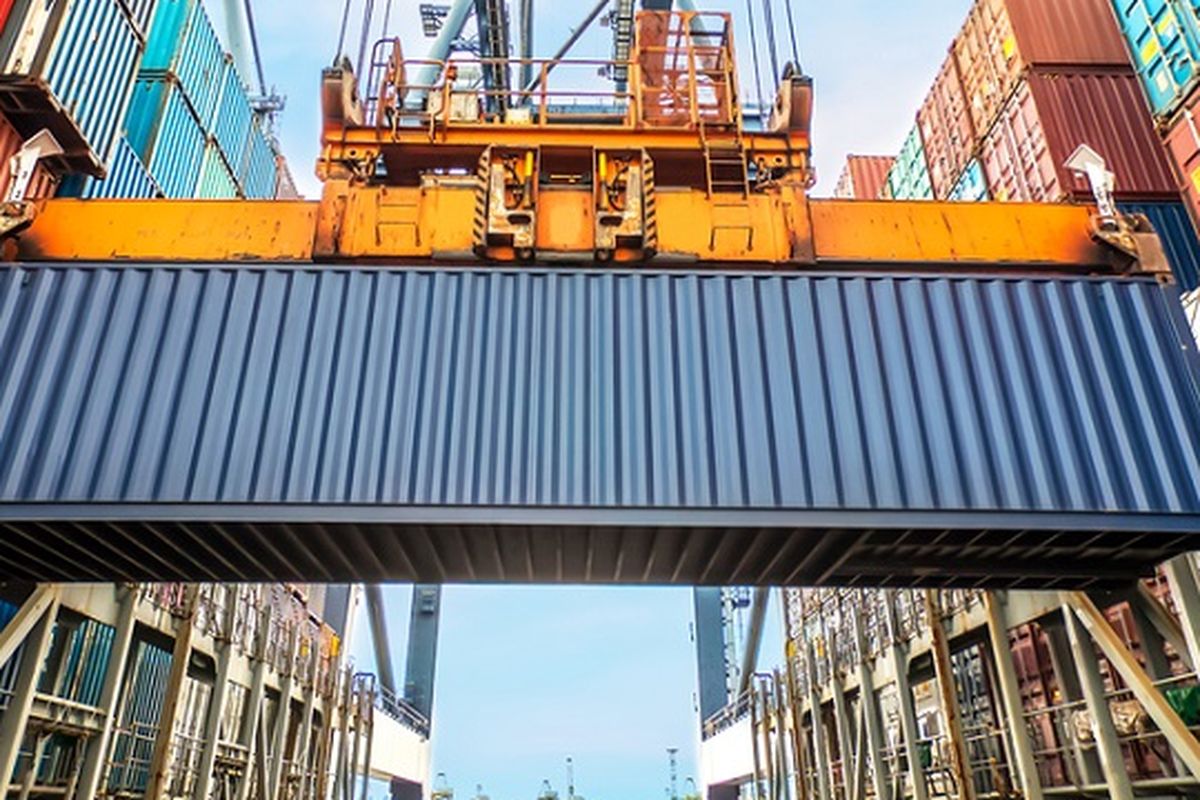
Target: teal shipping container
182 41
972 185
1163 37
164 132
127 179
258 172
234 117
216 180
909 177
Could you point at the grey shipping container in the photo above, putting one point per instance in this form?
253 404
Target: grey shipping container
458 425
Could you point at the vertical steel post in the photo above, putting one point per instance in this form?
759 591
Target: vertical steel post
1024 762
16 717
95 753
1174 730
1087 763
1164 622
820 746
304 747
1181 575
1107 744
216 703
904 698
948 697
841 716
283 719
248 736
160 762
869 702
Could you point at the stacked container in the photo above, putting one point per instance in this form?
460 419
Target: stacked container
909 176
864 177
70 67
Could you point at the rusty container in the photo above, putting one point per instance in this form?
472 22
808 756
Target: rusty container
43 184
1002 39
864 177
1183 148
1050 114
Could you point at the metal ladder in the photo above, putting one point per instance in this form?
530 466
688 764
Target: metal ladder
725 169
622 26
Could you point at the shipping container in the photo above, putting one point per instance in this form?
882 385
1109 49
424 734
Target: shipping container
1003 38
43 184
864 177
136 728
1183 150
1178 233
257 175
378 397
909 176
216 179
946 130
127 179
164 132
1163 37
234 117
86 58
1053 113
971 186
183 42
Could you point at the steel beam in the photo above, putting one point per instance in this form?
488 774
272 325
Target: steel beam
943 670
181 656
282 720
1112 762
420 671
248 736
304 746
1164 622
1185 588
216 703
439 50
27 617
95 755
758 617
377 618
841 715
822 767
904 697
1176 732
869 702
16 716
1020 745
1087 763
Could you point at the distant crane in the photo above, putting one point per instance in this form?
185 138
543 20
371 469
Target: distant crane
673 766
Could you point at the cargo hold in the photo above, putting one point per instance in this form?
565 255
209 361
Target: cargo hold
485 424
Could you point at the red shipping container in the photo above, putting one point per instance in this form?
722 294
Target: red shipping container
43 184
946 130
1003 38
6 7
1183 145
864 177
1050 114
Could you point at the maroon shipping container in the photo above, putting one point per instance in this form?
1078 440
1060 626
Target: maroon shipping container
42 185
1183 145
864 177
1050 114
946 130
1003 38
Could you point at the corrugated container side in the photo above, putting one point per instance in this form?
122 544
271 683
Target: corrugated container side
43 183
127 179
216 180
1003 38
946 129
972 185
1050 115
200 65
177 148
92 69
864 177
1163 37
1183 149
145 113
1174 226
234 117
257 173
909 176
140 12
166 33
1191 310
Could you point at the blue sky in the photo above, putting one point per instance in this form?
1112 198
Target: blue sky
529 676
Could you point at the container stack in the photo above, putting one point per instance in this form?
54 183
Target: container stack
909 177
70 68
1026 82
864 177
191 130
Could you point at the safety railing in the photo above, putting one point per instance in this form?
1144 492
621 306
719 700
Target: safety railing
400 711
728 716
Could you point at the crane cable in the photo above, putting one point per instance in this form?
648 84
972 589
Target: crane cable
791 21
341 45
387 17
258 64
758 84
772 51
364 35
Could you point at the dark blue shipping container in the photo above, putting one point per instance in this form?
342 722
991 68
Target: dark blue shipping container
448 425
1179 238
